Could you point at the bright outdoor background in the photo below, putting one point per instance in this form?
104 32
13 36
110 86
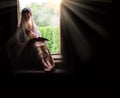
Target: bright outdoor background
46 14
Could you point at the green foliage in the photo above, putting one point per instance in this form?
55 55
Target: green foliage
43 15
51 33
47 20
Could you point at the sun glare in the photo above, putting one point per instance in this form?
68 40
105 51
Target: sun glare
57 1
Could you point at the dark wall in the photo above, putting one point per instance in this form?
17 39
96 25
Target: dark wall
86 27
8 20
8 24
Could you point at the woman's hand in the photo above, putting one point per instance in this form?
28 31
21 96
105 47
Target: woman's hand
33 35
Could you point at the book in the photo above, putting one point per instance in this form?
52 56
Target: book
42 39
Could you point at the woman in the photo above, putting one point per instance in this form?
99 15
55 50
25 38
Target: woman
28 31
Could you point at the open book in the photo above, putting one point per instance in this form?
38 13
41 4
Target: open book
38 39
42 39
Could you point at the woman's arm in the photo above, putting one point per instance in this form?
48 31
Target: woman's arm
33 35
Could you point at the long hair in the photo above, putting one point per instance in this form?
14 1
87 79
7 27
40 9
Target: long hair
22 36
26 14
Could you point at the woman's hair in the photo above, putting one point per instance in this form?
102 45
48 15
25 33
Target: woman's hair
26 14
26 10
24 26
24 29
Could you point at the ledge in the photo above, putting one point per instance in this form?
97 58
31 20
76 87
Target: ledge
57 71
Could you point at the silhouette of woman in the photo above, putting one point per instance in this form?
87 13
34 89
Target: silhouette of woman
31 48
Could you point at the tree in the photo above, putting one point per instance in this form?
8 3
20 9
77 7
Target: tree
43 15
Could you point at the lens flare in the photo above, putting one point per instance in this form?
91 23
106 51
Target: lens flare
57 1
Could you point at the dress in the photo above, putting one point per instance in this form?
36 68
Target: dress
32 53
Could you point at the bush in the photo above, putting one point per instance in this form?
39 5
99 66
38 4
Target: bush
53 35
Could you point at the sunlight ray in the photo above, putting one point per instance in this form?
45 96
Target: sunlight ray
85 7
95 26
76 37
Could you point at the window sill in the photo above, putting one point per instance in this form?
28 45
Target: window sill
58 66
57 57
57 71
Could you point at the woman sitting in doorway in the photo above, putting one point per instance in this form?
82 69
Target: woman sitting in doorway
30 44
